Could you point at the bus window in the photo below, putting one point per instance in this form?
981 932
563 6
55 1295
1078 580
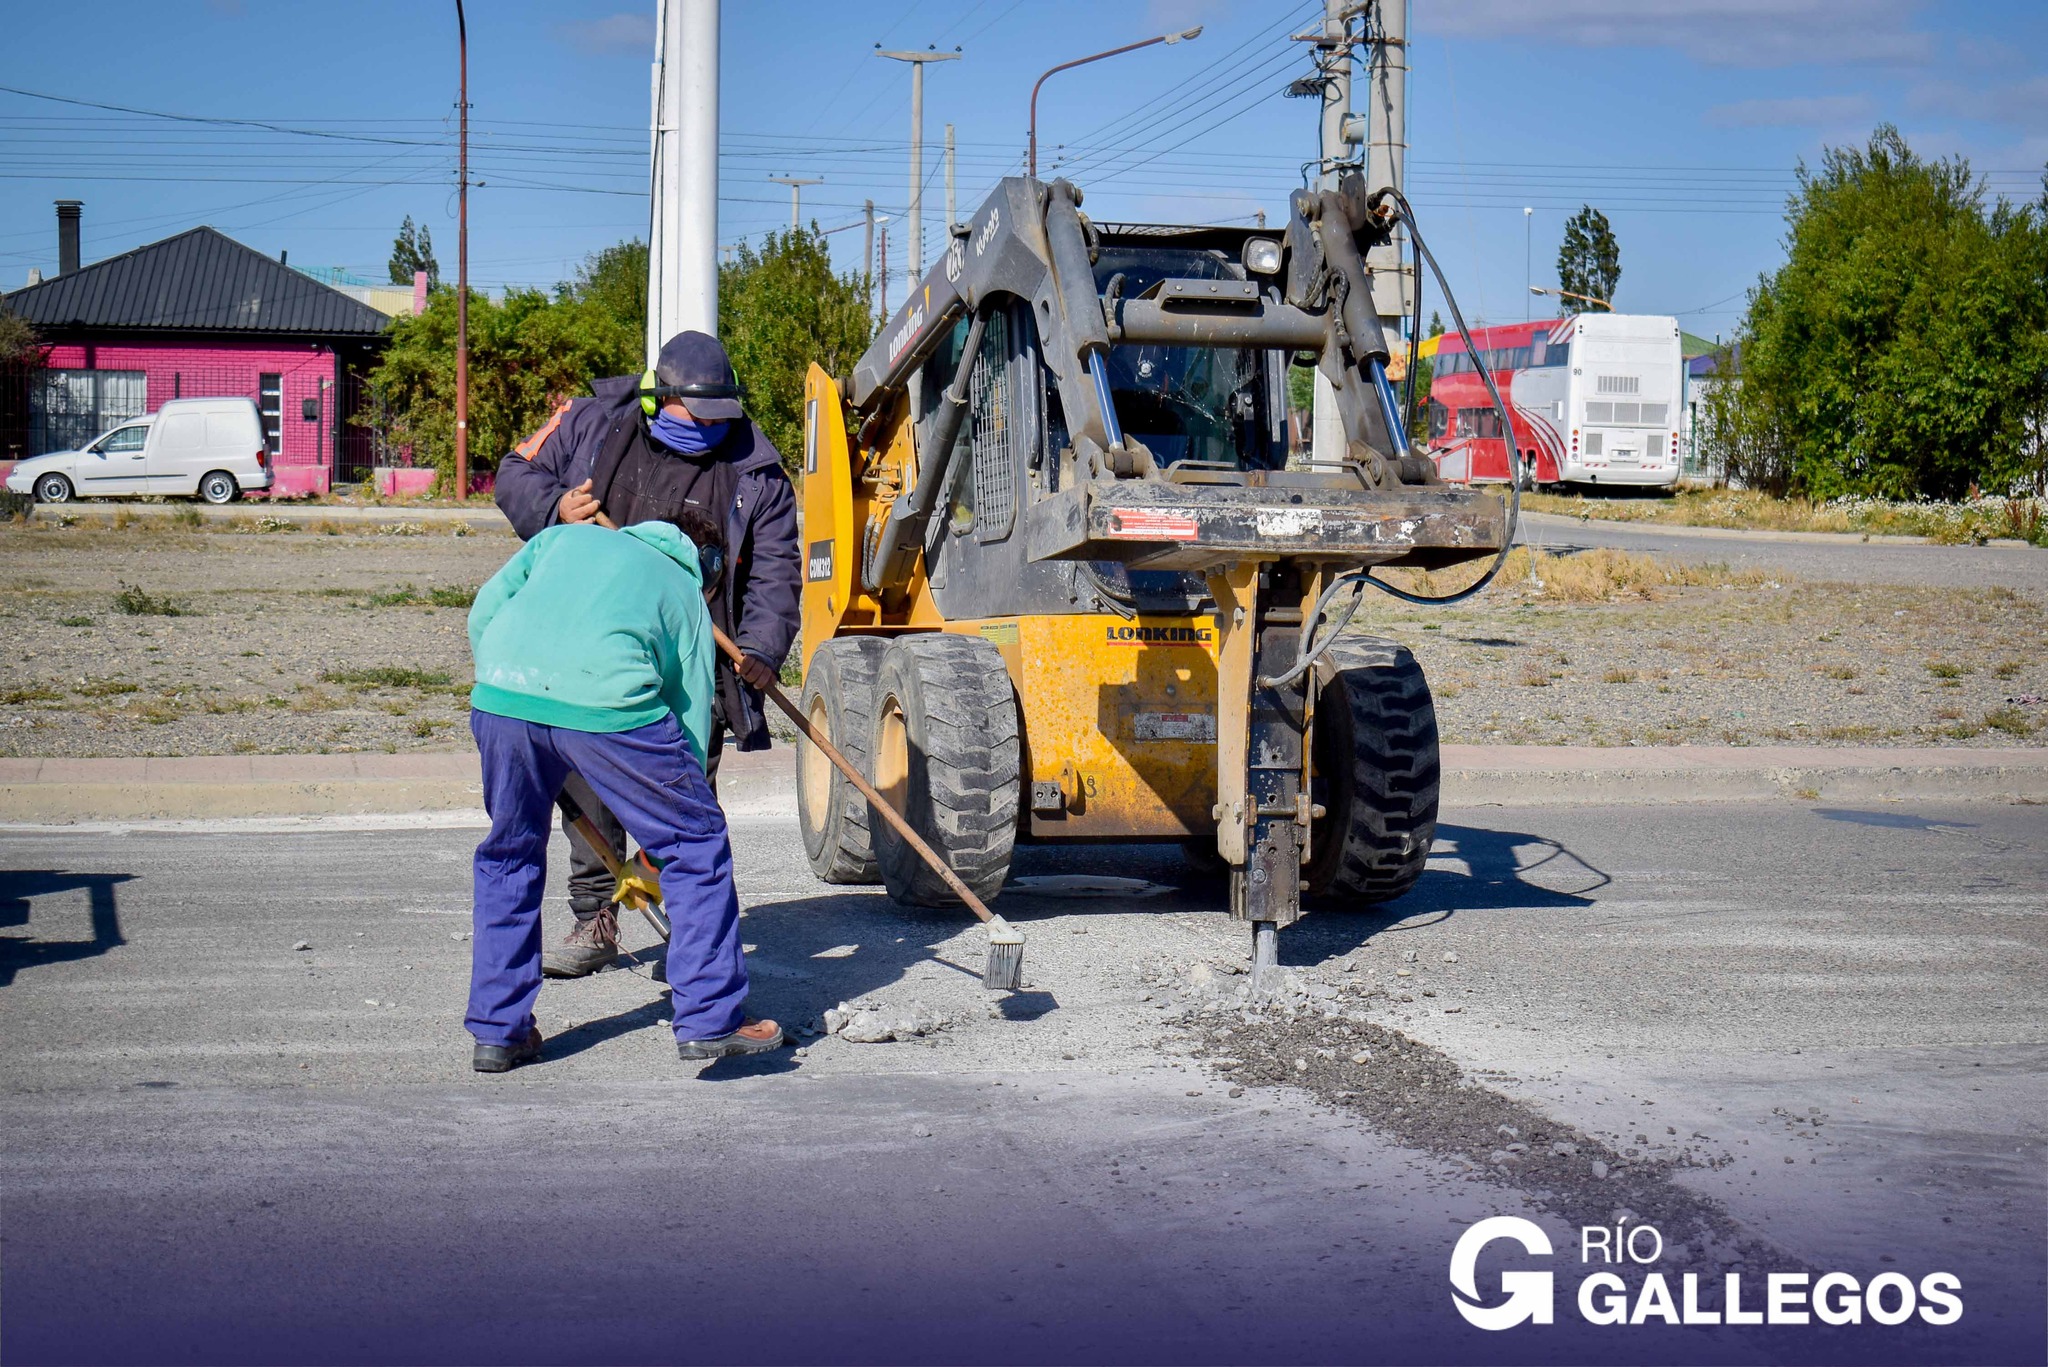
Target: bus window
1479 422
1557 353
1439 421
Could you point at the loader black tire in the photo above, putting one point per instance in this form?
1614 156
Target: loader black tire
839 699
946 756
1377 771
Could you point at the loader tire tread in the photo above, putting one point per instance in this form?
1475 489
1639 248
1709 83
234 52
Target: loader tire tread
1378 769
960 715
838 841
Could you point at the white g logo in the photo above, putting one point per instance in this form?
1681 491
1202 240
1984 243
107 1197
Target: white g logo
1528 1293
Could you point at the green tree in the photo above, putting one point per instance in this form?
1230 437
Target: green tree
17 337
1588 260
413 250
527 353
781 308
1902 349
614 281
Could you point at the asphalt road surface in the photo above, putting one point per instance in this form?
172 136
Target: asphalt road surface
1828 559
215 1147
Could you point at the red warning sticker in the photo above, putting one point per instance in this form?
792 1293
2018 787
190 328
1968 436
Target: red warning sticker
1151 524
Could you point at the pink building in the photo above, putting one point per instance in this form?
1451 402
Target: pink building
195 316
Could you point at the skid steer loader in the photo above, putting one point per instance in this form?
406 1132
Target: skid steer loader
1062 583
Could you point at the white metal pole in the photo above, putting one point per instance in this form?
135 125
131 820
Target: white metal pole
659 125
683 254
1386 154
697 245
1528 260
916 170
951 219
1327 442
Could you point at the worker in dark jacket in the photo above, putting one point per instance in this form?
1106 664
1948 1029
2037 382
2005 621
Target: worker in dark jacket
643 449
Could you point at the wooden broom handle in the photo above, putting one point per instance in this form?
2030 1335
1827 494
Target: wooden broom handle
867 790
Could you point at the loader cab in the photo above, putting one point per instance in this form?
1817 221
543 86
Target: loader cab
1219 406
1209 406
1197 407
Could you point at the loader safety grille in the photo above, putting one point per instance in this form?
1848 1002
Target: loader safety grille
995 498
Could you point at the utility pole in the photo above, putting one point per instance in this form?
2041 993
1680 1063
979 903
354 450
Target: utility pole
1333 66
951 219
868 252
884 276
1528 259
1386 151
462 262
796 188
682 256
917 62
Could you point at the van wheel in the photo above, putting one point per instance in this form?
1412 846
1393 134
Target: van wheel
947 757
218 487
1377 770
53 489
838 700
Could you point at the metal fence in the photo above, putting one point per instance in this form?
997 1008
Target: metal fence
312 416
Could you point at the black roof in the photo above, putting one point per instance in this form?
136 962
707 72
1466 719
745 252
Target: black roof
199 281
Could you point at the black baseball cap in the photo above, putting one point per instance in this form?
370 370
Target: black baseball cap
693 367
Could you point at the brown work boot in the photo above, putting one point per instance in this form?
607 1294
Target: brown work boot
591 945
754 1037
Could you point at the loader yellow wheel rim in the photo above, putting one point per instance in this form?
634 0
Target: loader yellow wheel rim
892 757
814 771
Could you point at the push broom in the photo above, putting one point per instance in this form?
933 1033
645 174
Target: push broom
638 888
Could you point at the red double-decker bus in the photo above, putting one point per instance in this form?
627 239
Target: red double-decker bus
1595 399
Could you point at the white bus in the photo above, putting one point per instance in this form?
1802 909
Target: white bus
1597 399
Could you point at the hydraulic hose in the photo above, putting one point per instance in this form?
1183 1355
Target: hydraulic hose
1507 426
1355 580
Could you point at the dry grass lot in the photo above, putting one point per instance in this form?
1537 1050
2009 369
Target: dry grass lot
157 638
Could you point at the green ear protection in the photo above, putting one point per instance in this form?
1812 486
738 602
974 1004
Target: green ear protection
653 392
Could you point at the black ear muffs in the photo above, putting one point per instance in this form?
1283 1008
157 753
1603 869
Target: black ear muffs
711 565
653 393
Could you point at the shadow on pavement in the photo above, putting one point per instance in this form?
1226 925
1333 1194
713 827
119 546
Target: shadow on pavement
813 952
18 886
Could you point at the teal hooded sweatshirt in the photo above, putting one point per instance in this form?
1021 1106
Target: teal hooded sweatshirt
597 630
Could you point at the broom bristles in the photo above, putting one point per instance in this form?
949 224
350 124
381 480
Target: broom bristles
1004 971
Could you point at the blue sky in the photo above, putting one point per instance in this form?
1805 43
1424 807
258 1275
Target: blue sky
1681 119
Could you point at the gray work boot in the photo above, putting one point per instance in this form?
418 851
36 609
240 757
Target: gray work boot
591 945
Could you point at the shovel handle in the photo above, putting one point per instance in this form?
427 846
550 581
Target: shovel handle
867 790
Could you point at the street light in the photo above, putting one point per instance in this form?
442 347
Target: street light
1187 35
1528 248
1567 294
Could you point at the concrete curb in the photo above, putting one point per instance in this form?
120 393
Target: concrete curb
46 792
1559 522
287 512
1570 775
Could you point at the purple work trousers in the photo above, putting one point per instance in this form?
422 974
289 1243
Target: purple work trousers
652 780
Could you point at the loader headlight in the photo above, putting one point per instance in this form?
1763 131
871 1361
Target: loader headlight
1262 256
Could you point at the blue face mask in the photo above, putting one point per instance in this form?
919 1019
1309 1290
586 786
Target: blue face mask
681 434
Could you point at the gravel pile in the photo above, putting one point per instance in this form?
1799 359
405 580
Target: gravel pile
1318 1032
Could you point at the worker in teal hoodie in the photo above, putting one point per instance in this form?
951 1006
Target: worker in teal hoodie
594 656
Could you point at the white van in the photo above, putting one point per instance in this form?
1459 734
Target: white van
211 449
